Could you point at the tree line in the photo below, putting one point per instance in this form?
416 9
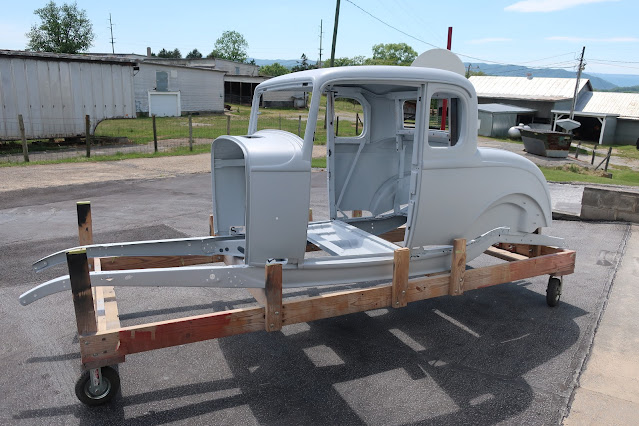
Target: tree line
66 29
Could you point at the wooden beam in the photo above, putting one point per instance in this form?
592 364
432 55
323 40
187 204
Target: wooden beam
103 347
401 261
107 345
85 226
145 262
536 250
395 235
81 290
458 268
211 226
273 290
504 254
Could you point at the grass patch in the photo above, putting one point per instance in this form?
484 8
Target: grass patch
318 163
626 151
574 173
197 149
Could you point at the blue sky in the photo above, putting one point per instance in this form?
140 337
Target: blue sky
531 32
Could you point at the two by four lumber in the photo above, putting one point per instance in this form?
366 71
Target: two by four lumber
458 267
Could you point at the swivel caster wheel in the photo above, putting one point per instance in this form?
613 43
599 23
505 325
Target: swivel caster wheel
553 291
97 386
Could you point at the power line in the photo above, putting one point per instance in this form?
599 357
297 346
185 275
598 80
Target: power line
435 46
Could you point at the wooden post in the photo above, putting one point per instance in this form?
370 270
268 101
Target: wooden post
310 215
228 123
211 227
594 150
299 126
273 308
577 152
458 268
87 131
85 226
356 123
608 159
155 135
23 136
81 289
337 126
357 213
190 133
536 250
401 261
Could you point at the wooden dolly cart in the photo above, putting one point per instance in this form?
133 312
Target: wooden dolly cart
104 342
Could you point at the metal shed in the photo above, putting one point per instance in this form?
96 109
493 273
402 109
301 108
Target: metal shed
194 89
54 93
496 119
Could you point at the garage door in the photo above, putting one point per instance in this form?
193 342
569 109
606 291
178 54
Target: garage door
165 104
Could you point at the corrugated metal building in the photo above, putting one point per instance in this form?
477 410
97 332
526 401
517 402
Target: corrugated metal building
54 93
496 119
540 94
606 116
195 89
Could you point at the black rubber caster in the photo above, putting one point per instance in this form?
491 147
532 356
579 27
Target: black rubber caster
553 291
92 396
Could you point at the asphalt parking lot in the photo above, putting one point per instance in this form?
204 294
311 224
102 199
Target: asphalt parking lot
498 354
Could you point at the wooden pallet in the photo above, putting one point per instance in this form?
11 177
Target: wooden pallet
104 342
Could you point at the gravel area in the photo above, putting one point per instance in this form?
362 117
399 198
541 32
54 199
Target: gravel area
51 175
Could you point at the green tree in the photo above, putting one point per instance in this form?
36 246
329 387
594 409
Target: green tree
344 62
170 54
63 29
302 64
231 46
392 54
194 54
274 69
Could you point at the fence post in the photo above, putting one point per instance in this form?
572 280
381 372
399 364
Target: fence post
608 159
23 135
594 150
577 152
190 133
155 135
299 126
356 123
337 126
228 124
87 131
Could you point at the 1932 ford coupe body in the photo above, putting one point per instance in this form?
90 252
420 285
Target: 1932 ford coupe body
435 183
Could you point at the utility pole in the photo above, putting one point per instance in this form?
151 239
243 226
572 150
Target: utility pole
111 28
445 101
574 96
335 34
320 49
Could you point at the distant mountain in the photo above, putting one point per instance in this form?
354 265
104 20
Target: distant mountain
628 89
621 80
288 63
598 83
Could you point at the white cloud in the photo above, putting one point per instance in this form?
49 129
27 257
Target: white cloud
489 40
548 5
595 40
